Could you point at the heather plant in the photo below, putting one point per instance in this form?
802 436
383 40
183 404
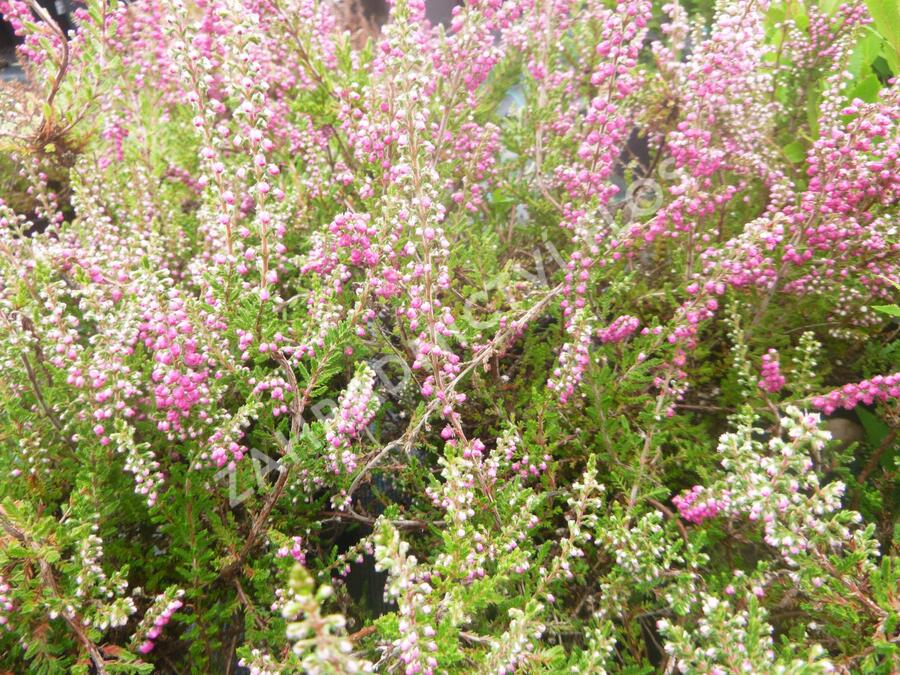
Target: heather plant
517 344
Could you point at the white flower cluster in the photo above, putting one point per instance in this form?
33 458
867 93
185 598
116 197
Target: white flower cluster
321 644
408 585
729 639
775 483
140 461
109 608
518 641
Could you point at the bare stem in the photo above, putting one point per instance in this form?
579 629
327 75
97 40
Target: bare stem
49 581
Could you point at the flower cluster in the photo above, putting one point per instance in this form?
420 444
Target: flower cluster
772 380
156 618
6 604
139 461
320 641
695 506
878 388
775 484
453 317
619 330
181 372
728 638
295 550
356 408
409 587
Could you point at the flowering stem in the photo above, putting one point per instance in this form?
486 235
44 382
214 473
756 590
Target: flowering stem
48 578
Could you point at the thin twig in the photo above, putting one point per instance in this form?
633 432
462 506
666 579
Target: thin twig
40 397
645 450
475 639
242 596
230 655
400 523
856 593
48 577
362 633
498 342
298 404
671 515
876 457
44 15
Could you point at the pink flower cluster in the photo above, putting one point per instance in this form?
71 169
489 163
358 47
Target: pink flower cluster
866 392
475 148
160 622
352 237
510 448
6 604
356 408
619 330
181 370
18 14
696 505
295 551
599 135
574 358
770 372
276 385
225 448
604 126
824 29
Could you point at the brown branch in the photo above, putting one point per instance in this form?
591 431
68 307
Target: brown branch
48 578
298 405
230 654
856 592
40 397
872 464
248 604
671 515
400 523
44 15
473 638
362 633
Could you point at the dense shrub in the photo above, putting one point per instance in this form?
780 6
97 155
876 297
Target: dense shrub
511 345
